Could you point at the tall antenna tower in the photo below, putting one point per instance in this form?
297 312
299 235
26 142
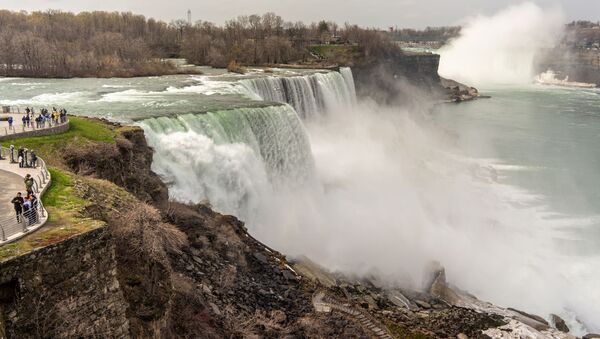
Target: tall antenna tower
189 17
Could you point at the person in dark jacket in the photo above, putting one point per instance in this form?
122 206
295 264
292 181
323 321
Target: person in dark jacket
21 157
29 184
32 159
18 204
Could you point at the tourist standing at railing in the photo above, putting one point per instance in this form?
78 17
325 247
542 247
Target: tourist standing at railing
18 204
24 119
29 183
21 157
32 159
27 210
10 122
34 204
63 115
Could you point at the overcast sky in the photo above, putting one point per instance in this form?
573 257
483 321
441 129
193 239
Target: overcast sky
379 13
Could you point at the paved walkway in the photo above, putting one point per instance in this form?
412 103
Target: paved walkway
12 181
18 124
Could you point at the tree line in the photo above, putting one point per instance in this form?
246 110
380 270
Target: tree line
62 44
59 44
268 39
429 34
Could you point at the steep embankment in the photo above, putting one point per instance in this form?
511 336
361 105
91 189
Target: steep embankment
111 265
578 65
407 78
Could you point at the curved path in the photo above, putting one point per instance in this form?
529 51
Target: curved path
12 181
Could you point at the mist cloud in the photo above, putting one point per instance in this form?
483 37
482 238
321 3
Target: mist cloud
501 48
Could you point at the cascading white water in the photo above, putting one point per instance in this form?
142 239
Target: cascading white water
375 193
309 95
232 158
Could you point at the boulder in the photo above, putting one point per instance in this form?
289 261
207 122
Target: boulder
529 315
308 269
261 258
372 304
289 275
591 336
423 304
436 284
398 299
559 323
530 320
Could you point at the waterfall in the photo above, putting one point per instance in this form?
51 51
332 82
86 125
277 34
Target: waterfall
233 158
236 158
310 94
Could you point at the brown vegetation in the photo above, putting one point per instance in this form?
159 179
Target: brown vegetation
146 236
59 44
126 162
268 39
103 44
235 67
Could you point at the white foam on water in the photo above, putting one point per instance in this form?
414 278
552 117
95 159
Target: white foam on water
549 78
130 95
378 192
48 99
114 86
208 87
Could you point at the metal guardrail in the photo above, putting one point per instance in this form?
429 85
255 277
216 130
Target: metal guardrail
10 109
46 122
21 223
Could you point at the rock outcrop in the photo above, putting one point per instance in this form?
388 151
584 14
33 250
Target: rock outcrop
398 80
127 163
407 79
183 271
559 323
579 65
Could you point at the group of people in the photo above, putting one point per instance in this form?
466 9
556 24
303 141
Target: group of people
44 117
26 207
26 158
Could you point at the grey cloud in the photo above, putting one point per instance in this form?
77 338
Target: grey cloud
372 13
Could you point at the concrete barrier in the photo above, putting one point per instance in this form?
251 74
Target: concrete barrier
53 130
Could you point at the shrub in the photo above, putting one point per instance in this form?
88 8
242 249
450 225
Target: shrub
235 67
142 230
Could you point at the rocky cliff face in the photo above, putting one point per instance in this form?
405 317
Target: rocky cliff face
180 271
406 79
126 163
397 79
65 290
579 65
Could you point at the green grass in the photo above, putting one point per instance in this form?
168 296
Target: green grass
60 195
81 131
68 195
64 206
80 128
